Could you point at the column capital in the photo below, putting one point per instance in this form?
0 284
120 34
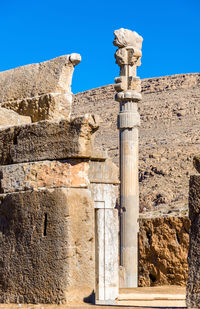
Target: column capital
128 57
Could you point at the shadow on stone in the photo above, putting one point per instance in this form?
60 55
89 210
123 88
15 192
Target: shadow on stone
90 299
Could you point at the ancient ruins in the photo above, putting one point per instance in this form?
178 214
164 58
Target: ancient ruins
70 227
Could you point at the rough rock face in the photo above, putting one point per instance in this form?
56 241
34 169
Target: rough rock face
163 249
40 90
168 136
193 284
10 118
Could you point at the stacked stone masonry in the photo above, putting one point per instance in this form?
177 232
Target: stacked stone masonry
54 190
51 185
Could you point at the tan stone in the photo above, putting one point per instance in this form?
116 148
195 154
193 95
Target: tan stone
48 256
44 174
126 37
103 172
48 140
193 284
163 250
10 118
40 90
196 163
48 106
36 79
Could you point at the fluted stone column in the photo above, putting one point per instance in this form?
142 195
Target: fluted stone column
129 94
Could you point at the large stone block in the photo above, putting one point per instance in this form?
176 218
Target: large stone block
163 250
47 140
44 174
47 246
193 284
40 90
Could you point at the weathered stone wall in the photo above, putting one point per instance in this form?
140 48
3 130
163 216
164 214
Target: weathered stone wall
193 284
40 90
48 174
43 257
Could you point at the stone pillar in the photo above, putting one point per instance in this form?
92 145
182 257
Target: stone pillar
104 187
128 94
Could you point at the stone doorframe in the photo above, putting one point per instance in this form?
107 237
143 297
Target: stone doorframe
104 188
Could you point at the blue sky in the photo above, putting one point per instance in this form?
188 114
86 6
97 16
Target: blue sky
35 31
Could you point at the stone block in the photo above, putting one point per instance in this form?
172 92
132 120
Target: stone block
51 106
163 250
10 118
193 284
37 79
47 246
44 174
103 172
48 140
40 90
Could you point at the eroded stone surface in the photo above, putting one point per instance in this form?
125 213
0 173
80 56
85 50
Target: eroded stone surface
44 174
44 257
103 172
48 140
193 284
40 90
55 106
10 118
163 250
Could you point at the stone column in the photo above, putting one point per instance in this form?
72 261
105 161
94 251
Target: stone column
128 94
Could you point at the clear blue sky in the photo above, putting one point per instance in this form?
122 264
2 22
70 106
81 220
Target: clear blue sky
38 30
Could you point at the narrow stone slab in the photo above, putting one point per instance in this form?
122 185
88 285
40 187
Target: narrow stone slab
47 140
158 296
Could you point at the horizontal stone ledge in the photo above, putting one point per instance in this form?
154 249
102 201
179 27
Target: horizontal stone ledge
48 140
51 106
44 174
70 173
